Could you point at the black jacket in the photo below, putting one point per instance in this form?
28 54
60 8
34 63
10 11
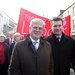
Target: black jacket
63 54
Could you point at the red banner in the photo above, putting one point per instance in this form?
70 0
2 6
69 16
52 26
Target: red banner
66 25
26 16
24 20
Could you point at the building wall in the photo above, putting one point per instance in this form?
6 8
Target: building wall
6 23
1 23
70 11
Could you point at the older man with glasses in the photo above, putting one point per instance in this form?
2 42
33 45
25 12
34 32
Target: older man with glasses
32 56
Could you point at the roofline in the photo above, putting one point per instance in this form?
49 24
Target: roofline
67 8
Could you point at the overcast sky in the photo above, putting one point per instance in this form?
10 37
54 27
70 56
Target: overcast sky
48 8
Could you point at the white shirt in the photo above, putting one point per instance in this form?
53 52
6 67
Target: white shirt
11 40
37 44
59 37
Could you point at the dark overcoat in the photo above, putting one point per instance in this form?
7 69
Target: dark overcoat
25 60
63 54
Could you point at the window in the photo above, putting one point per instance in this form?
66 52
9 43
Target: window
74 11
74 24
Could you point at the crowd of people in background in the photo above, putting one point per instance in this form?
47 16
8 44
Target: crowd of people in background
4 55
37 55
6 46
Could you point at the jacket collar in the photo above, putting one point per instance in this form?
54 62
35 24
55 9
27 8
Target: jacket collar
63 37
28 40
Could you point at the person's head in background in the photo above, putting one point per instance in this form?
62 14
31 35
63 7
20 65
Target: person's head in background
36 28
57 26
17 37
10 34
2 38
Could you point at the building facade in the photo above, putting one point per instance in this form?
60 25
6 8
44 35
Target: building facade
70 11
6 23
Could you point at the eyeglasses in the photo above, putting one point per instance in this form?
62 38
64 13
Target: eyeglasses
38 28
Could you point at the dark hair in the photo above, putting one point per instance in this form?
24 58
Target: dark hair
57 19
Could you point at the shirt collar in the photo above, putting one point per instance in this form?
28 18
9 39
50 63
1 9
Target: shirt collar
34 40
59 36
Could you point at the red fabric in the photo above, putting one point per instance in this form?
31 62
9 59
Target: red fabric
66 25
24 20
2 57
26 16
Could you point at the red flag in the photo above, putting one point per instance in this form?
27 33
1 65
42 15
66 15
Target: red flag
66 25
24 20
26 16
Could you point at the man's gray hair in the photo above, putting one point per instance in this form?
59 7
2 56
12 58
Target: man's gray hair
37 21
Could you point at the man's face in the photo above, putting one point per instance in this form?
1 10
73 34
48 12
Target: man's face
57 27
36 31
17 38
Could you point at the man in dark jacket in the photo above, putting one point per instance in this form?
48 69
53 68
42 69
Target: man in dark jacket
63 48
28 59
